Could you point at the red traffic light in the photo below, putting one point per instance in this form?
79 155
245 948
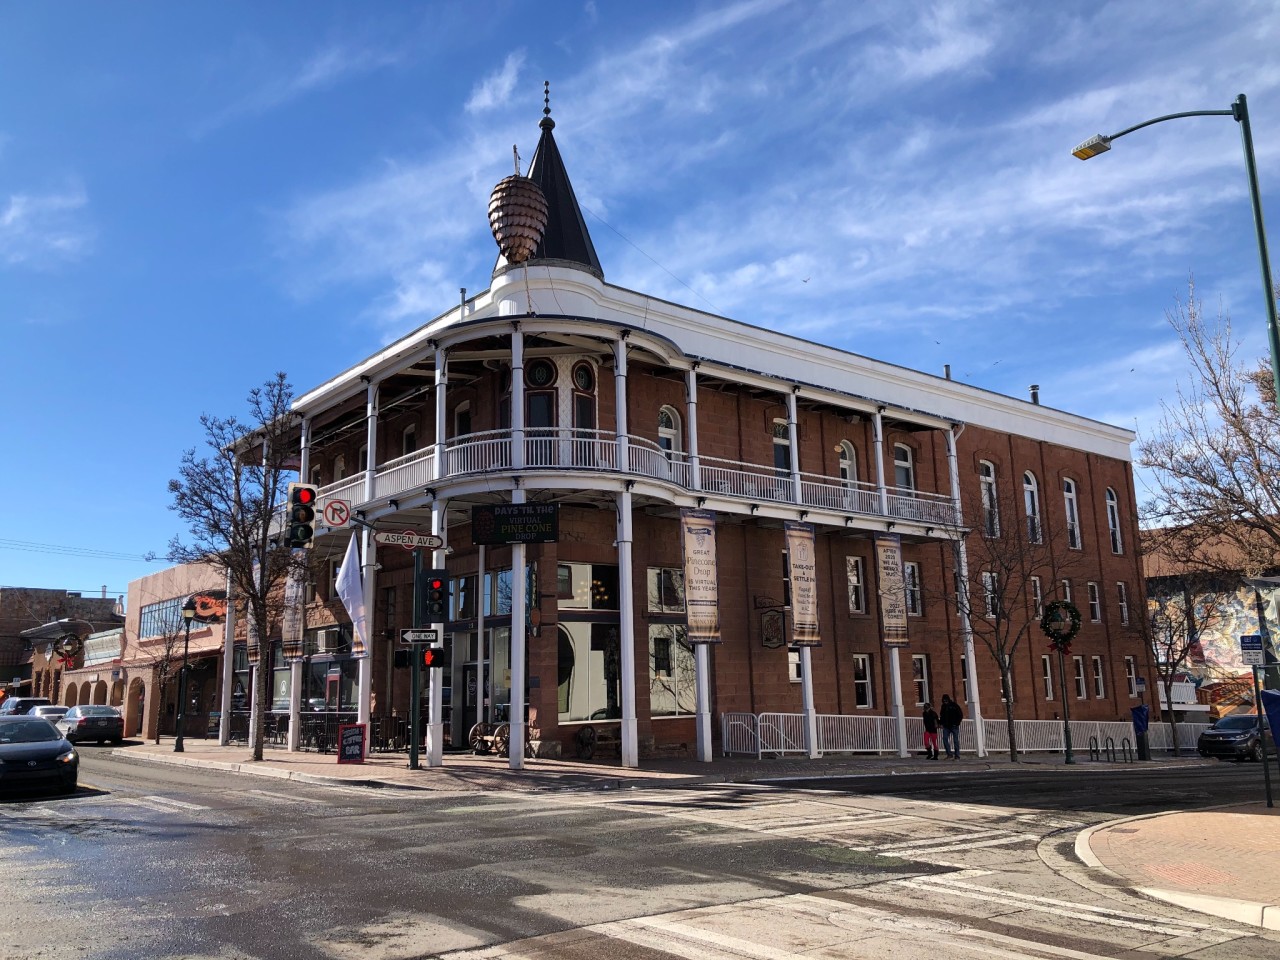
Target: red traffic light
433 657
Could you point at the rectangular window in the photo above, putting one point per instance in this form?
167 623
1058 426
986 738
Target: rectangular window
1131 676
920 676
1122 602
665 590
1095 603
862 681
1037 597
1046 670
857 585
672 682
990 602
1099 683
911 577
1082 687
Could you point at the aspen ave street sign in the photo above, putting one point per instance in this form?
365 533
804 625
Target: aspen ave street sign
410 539
419 636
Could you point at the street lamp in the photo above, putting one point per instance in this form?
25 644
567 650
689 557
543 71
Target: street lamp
1240 112
188 614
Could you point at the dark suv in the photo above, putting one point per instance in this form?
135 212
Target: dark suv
18 706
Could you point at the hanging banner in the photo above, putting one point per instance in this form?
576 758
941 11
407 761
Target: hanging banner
803 572
701 582
293 617
892 590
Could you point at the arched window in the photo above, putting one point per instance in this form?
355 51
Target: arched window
781 449
1073 514
848 463
990 499
669 432
1113 521
1031 498
904 467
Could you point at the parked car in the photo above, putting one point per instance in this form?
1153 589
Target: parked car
92 723
20 706
50 711
1235 737
33 752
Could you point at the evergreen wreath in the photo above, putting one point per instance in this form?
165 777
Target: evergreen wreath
1060 634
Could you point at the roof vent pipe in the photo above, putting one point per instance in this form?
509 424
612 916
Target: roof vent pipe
946 370
1035 394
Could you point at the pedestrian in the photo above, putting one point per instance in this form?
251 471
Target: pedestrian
950 715
930 717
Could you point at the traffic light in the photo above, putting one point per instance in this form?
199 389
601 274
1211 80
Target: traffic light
436 607
433 656
302 514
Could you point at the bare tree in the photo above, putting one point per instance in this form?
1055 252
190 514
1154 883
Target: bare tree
231 498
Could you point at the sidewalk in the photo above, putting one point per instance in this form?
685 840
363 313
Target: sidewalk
1221 862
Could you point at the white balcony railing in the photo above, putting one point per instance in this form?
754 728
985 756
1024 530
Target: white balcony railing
564 448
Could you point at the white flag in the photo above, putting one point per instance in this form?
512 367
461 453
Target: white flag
351 593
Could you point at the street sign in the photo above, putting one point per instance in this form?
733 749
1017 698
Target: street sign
337 513
410 539
419 636
1251 653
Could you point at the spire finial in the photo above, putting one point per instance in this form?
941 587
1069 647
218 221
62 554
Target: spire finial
546 123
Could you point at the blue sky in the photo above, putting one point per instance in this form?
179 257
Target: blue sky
186 190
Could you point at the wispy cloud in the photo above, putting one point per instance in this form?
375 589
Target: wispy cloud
495 89
38 230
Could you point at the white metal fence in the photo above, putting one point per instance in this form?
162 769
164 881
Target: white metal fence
783 733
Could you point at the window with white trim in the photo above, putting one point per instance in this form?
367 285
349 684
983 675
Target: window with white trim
990 601
1099 682
990 499
904 467
1095 603
920 677
1073 514
1122 601
857 585
1037 597
862 693
1046 671
911 579
1113 521
1082 685
1031 504
1131 676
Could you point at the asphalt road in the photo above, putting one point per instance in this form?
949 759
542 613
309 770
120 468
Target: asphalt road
155 861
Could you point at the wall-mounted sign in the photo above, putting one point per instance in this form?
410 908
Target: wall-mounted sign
499 523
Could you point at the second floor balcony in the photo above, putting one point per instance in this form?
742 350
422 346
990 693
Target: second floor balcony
560 449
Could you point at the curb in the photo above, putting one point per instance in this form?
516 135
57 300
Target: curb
1250 912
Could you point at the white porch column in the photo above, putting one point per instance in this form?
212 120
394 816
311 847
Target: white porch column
702 674
793 441
620 400
442 383
691 418
807 707
627 633
974 705
895 691
515 749
435 676
877 434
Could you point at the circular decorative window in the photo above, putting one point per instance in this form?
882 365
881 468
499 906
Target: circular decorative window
583 378
540 373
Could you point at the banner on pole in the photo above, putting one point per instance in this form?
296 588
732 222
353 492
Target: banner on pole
701 581
892 590
802 564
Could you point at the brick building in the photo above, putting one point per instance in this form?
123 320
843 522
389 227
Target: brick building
554 387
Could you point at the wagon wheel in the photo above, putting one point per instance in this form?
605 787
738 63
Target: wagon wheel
502 737
476 738
585 741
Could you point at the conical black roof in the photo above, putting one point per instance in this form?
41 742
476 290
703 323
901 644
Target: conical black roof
566 240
